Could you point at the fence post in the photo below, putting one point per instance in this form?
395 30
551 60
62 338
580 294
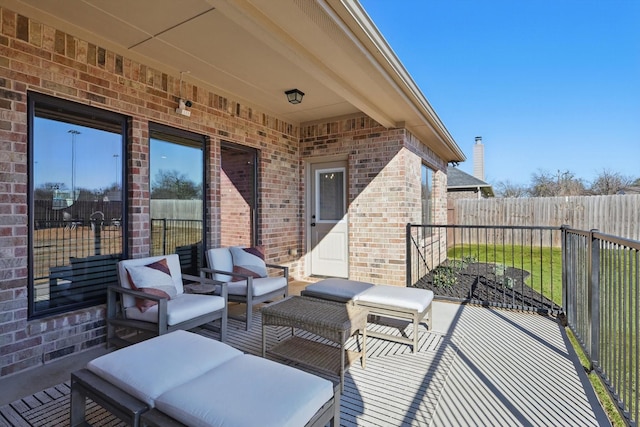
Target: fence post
408 249
594 298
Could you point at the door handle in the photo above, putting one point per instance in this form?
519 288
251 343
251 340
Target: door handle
313 224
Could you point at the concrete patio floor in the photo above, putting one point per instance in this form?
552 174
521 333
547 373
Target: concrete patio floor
510 368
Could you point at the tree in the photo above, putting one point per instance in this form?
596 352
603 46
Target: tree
45 191
544 184
507 189
608 182
171 184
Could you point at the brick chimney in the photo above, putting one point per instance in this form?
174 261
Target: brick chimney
478 158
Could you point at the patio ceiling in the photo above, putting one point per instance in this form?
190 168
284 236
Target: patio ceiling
254 50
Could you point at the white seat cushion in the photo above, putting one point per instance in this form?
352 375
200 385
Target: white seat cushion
150 368
261 286
395 296
340 288
247 391
182 307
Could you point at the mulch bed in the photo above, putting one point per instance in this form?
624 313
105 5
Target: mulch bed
479 283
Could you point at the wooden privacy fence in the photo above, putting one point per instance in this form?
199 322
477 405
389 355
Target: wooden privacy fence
617 215
176 209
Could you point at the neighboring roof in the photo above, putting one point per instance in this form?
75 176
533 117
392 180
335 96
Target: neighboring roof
459 180
254 50
632 189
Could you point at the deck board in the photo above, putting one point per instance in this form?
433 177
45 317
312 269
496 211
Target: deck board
485 367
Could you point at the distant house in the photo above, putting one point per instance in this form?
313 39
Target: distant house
461 185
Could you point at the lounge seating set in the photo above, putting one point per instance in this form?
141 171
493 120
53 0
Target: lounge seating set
181 378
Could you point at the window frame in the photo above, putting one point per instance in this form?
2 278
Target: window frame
74 113
190 139
255 199
426 217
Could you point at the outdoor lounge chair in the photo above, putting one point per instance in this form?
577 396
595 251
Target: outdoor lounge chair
408 304
150 298
246 277
182 378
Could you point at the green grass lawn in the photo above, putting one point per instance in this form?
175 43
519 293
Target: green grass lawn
544 264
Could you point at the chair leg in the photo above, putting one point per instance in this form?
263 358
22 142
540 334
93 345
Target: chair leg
223 327
416 323
78 408
249 316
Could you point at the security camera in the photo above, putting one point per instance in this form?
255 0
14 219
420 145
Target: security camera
182 108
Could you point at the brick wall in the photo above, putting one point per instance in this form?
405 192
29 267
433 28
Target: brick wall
39 58
384 190
384 174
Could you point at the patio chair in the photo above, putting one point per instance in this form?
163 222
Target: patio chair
245 273
151 298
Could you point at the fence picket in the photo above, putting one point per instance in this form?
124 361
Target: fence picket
617 215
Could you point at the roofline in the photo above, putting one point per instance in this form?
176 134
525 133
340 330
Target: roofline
402 81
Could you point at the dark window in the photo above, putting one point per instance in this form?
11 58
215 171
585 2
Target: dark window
76 203
176 164
427 203
238 195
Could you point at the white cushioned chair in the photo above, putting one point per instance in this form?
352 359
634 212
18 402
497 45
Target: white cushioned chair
185 379
151 298
245 288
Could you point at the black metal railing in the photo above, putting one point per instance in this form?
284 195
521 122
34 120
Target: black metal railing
591 278
181 236
73 263
602 281
512 267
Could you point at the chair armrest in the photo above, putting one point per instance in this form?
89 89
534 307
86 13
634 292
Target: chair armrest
228 273
285 270
134 293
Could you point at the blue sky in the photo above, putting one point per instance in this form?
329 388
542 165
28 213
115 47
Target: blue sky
549 85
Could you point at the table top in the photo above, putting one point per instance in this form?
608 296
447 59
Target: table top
315 315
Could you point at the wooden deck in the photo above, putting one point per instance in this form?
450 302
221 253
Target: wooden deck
478 366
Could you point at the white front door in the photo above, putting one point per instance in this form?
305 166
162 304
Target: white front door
328 222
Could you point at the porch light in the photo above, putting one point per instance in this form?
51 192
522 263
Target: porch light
294 96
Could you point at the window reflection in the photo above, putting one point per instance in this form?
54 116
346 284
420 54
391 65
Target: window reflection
76 215
177 193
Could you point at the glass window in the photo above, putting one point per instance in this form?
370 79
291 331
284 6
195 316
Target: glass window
76 211
176 164
238 195
427 204
331 206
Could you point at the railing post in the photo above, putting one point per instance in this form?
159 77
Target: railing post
408 249
563 249
164 236
594 298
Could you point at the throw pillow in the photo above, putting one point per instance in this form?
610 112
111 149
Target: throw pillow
249 261
154 279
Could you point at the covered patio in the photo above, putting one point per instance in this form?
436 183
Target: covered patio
477 366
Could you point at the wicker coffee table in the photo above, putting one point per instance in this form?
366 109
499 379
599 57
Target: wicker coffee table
335 321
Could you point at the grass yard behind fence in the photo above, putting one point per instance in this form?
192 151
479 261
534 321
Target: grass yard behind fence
543 263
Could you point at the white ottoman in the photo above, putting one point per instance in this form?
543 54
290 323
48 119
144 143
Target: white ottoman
396 302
